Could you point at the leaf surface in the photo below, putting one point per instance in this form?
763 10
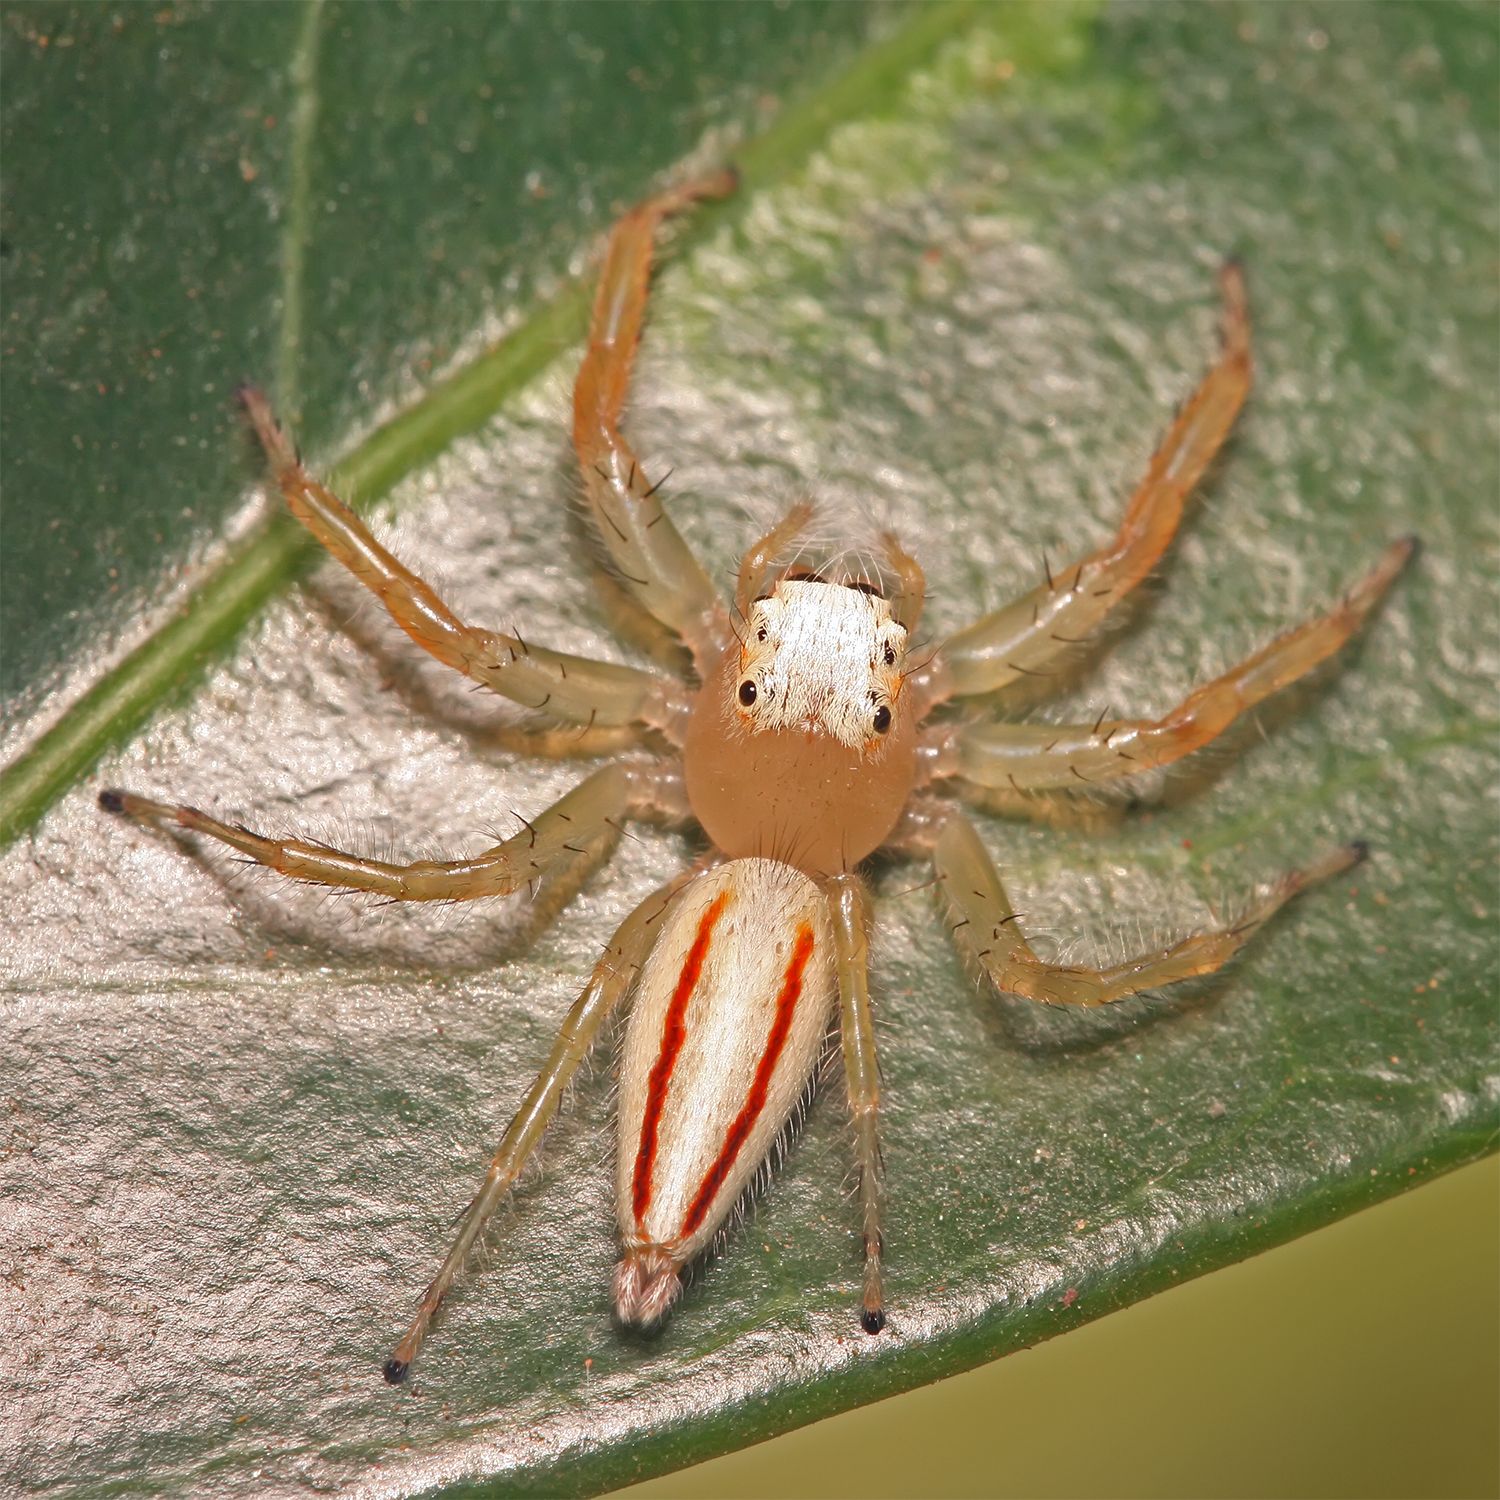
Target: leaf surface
242 1117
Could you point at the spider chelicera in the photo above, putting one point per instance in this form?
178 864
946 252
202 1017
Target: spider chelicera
807 743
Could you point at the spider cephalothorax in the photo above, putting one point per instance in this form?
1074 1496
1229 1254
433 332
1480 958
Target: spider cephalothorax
800 749
800 746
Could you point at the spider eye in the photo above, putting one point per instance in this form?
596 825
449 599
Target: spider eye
760 634
882 718
747 692
890 655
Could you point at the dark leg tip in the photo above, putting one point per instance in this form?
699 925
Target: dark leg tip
246 392
872 1320
395 1371
1360 850
112 800
1413 544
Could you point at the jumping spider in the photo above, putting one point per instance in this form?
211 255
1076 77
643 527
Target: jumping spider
807 744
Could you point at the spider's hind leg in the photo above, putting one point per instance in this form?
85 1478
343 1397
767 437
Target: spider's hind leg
612 978
988 928
848 908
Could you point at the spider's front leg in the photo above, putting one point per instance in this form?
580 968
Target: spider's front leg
1026 638
848 907
655 562
1038 757
589 814
571 688
612 977
988 928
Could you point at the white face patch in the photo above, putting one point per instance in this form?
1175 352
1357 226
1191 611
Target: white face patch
821 658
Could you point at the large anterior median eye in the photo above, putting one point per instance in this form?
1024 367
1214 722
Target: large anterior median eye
882 718
747 692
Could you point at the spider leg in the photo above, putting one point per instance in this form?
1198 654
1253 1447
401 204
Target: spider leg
572 688
655 562
1027 637
590 812
612 977
1034 757
850 912
988 928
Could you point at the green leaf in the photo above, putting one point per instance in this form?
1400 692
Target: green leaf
971 272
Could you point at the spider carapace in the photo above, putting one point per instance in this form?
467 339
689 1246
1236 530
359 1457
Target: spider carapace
810 740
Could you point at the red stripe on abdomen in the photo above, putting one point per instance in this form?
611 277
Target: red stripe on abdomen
755 1099
673 1034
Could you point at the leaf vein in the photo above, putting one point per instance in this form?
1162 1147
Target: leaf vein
297 224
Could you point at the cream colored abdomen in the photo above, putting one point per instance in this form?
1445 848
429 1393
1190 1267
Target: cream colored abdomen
729 1020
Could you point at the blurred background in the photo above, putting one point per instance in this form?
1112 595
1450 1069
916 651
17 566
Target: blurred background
1360 1361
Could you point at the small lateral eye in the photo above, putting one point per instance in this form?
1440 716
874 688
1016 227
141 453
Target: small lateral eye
747 693
760 634
882 718
890 654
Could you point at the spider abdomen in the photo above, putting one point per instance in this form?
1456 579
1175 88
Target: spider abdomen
729 1020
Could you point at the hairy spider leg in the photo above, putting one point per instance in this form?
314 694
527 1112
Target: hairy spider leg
988 928
1028 637
850 912
571 688
646 548
1034 757
612 977
591 812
